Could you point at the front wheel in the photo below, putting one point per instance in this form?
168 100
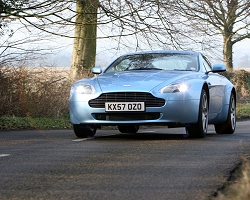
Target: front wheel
199 130
84 131
128 128
228 127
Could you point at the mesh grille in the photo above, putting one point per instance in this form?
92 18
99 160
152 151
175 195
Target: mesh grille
149 99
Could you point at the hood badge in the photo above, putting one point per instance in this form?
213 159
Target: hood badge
127 85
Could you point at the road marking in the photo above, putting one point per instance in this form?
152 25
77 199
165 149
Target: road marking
83 139
148 131
4 155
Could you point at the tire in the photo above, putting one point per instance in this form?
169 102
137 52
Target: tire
199 130
128 129
228 127
84 131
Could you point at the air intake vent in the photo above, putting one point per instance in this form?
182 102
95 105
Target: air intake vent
126 116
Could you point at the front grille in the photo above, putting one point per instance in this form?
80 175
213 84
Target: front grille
149 99
126 116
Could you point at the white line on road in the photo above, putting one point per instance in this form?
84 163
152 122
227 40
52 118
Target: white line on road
4 155
80 140
148 132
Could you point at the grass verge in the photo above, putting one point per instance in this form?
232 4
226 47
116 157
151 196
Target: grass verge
243 111
22 123
238 188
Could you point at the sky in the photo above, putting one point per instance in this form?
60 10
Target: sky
241 56
62 57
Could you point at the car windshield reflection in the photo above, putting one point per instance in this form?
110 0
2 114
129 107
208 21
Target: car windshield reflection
155 61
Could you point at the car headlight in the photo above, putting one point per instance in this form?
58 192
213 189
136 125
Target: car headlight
179 87
85 89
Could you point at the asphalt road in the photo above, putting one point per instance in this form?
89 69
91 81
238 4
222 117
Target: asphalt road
54 164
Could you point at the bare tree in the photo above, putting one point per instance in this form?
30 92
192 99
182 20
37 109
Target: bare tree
227 18
127 22
144 24
40 20
84 49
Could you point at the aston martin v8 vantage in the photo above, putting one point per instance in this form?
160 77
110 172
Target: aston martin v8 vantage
172 88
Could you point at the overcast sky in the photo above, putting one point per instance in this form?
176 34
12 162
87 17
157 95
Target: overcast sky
107 50
63 58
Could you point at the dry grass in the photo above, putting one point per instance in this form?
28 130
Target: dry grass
36 92
241 80
240 189
245 69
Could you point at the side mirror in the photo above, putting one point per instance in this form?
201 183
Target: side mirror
97 70
218 68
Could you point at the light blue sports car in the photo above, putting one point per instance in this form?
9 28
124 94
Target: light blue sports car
172 88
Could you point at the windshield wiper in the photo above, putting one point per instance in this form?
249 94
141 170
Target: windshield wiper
181 70
187 70
146 68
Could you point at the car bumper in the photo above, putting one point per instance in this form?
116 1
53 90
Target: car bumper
174 111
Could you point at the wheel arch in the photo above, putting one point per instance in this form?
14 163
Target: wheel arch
222 115
205 87
234 93
228 126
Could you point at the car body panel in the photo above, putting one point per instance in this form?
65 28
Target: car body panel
134 81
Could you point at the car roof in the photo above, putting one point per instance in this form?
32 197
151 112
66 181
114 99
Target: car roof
165 51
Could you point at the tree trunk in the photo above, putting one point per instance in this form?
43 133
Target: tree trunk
228 52
84 49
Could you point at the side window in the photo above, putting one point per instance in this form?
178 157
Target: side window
123 65
119 66
206 64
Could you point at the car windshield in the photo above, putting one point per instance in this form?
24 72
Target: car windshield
155 61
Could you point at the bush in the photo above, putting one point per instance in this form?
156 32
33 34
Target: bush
241 81
35 92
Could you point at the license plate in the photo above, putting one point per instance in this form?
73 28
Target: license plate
125 106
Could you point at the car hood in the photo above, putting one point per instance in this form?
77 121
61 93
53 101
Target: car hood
143 80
